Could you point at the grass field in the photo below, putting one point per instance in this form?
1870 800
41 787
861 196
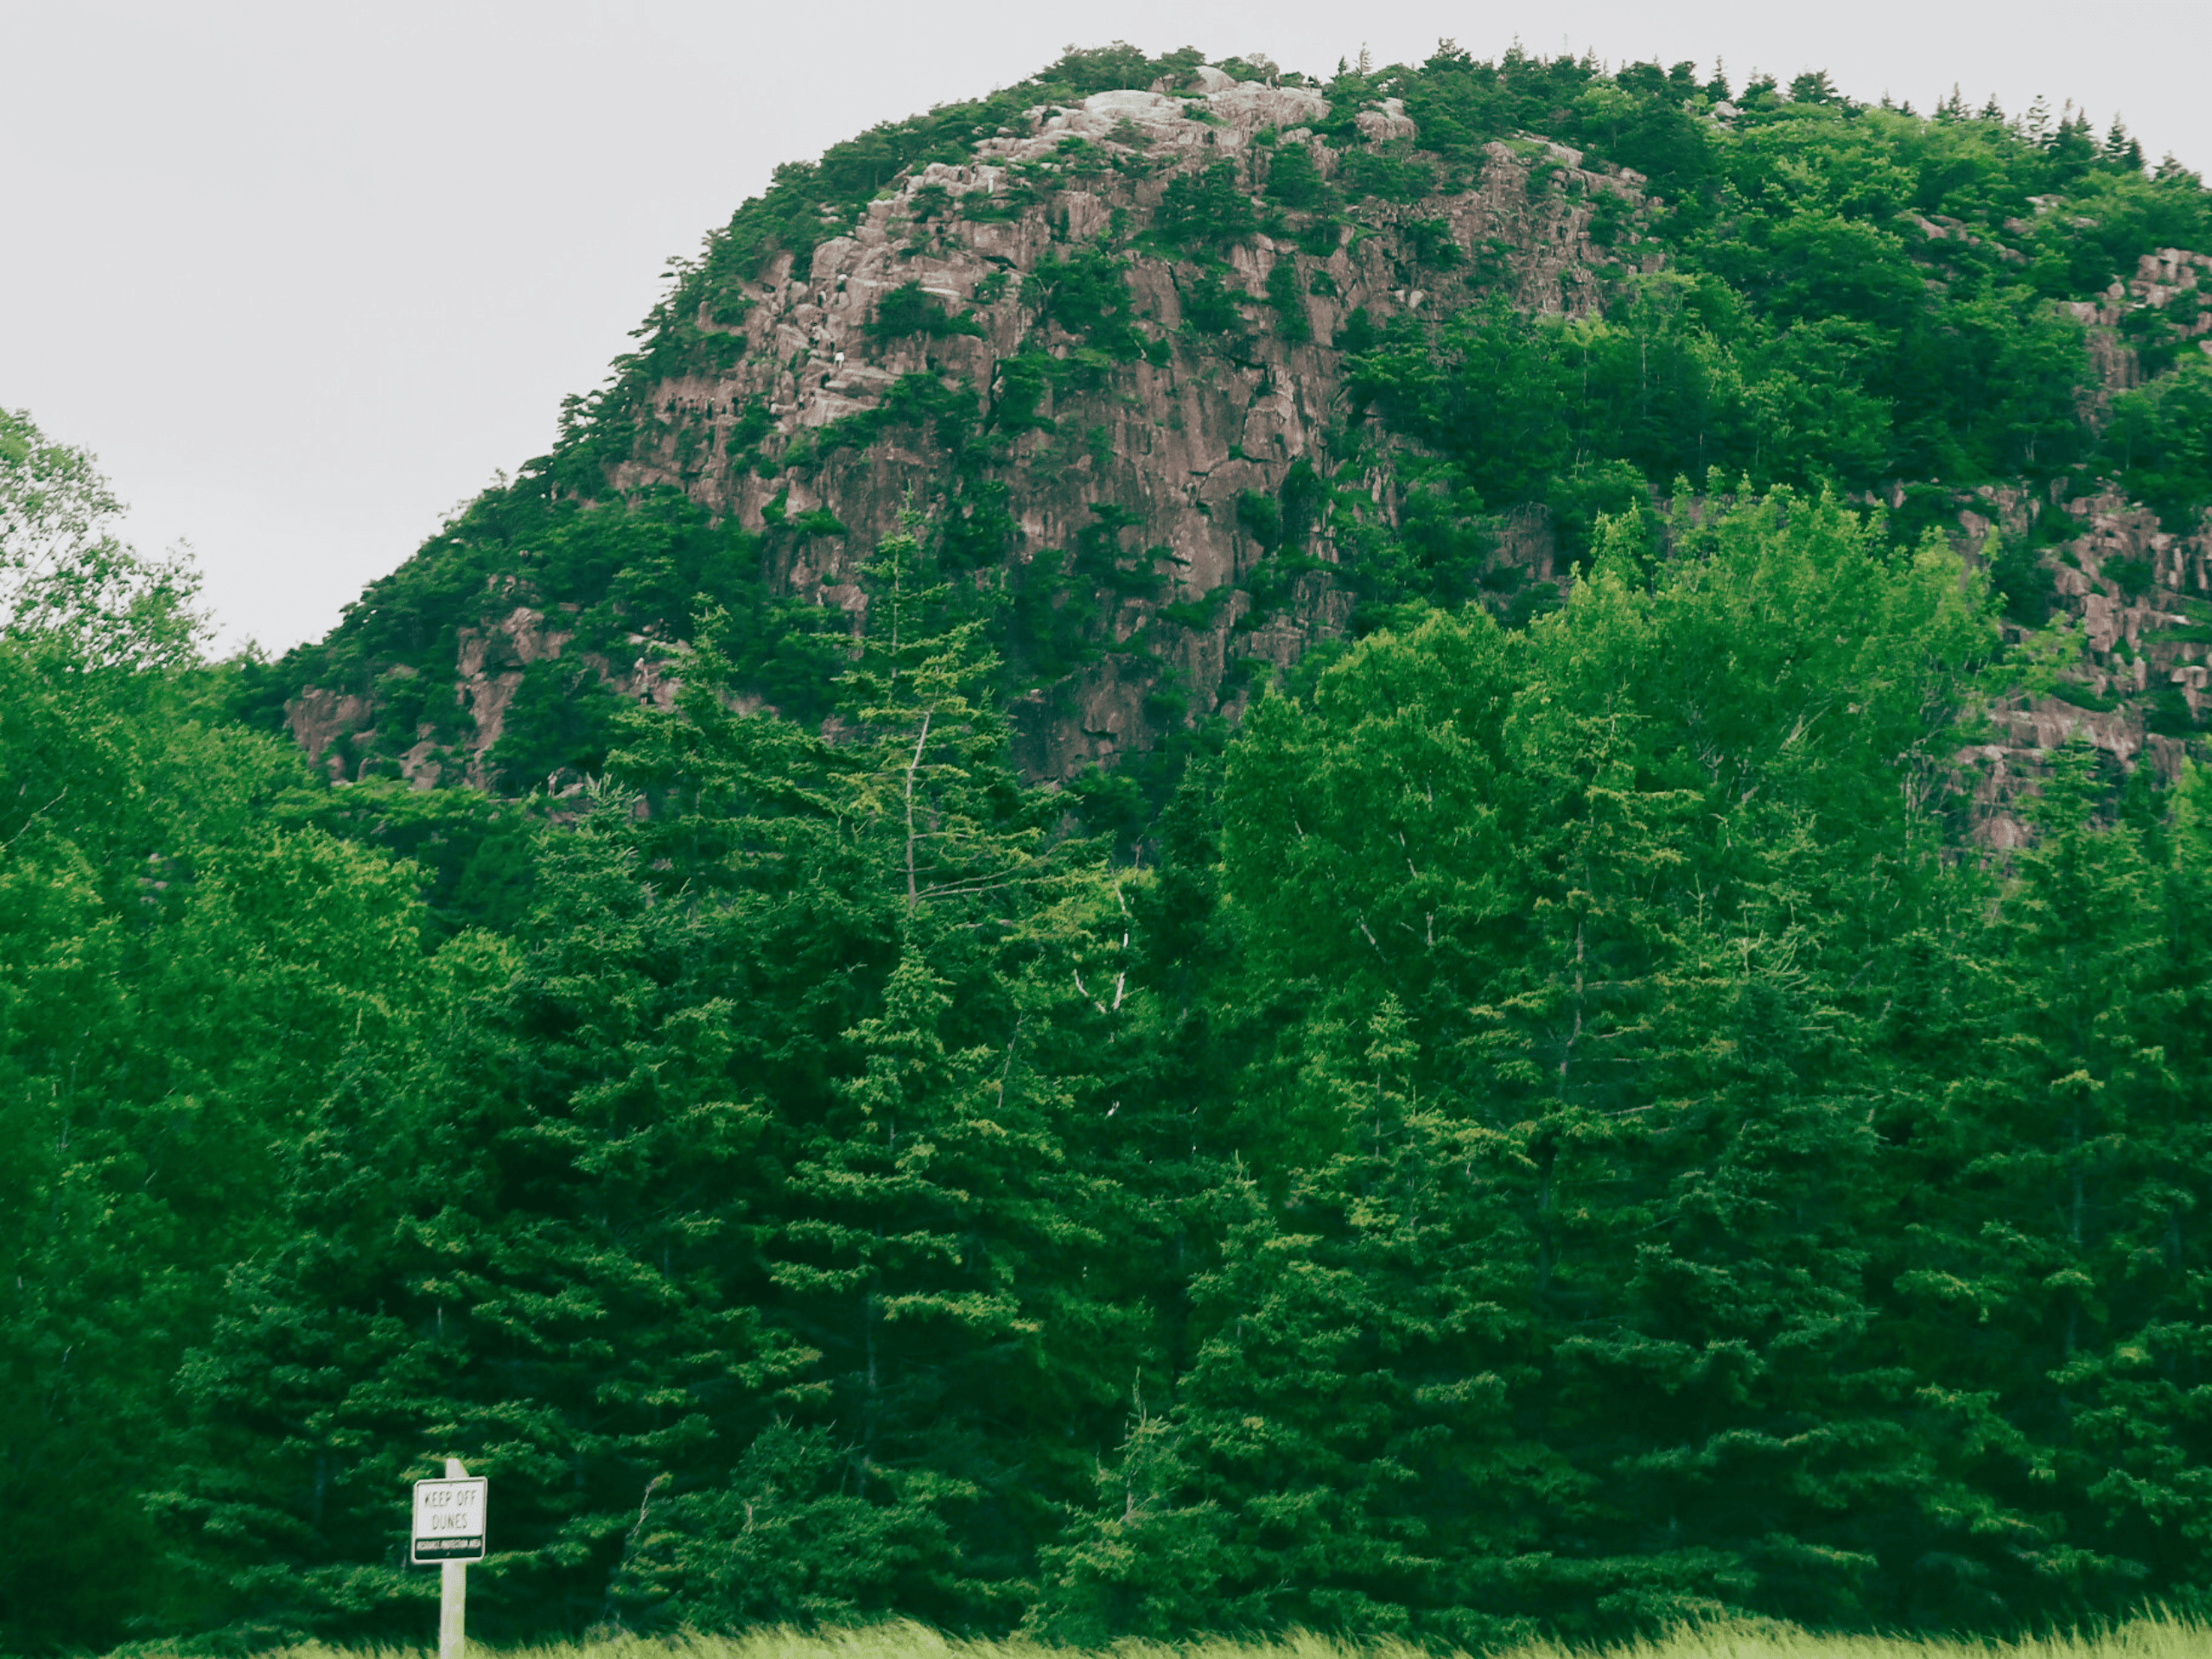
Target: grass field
2156 1636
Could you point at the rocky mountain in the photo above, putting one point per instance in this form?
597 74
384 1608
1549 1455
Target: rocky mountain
1182 378
1552 1126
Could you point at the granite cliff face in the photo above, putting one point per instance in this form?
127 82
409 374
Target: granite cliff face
1104 354
2138 593
1135 469
1162 452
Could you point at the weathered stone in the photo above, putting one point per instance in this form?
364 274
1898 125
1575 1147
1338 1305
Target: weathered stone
1386 121
1181 440
318 718
1178 444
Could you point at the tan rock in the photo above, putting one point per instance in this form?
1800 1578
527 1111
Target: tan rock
1386 121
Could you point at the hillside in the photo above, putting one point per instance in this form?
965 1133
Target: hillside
1626 1040
1186 373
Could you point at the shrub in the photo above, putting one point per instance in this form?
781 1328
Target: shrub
1118 68
2159 443
1295 180
2025 583
907 310
1205 213
1431 243
1289 302
1261 518
2133 577
1086 295
561 715
1305 495
819 521
1366 172
1212 309
1607 215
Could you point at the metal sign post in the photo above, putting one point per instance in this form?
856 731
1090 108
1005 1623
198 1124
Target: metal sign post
449 1530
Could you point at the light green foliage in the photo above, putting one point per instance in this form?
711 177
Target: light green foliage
2157 1636
67 582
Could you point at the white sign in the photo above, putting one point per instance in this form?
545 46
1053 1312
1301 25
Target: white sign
448 1520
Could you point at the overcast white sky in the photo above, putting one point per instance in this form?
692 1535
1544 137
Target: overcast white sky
303 276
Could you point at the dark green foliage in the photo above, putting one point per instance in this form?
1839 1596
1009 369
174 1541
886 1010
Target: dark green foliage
558 718
1584 497
2133 577
1681 380
1086 295
2022 581
2158 444
1287 300
624 566
918 400
1212 310
906 310
1101 557
1295 180
188 968
978 528
1110 68
1304 497
470 850
1556 1125
729 307
1429 241
1500 1166
1809 329
1608 214
1024 381
1318 240
1385 176
1203 214
1261 518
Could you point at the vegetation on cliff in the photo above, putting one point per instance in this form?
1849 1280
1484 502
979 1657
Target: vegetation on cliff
1566 1120
1759 288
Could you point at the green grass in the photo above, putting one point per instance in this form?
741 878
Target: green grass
2161 1636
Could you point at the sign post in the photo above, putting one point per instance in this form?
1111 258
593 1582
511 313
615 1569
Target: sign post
449 1530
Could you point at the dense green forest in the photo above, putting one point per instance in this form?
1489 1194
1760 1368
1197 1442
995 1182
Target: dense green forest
1555 1126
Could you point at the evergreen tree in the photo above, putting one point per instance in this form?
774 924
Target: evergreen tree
2042 1233
528 1248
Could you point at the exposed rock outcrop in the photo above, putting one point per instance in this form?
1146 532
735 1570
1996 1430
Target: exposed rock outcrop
1176 442
1134 468
2167 282
2141 597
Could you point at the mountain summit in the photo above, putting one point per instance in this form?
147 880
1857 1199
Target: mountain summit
1186 367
